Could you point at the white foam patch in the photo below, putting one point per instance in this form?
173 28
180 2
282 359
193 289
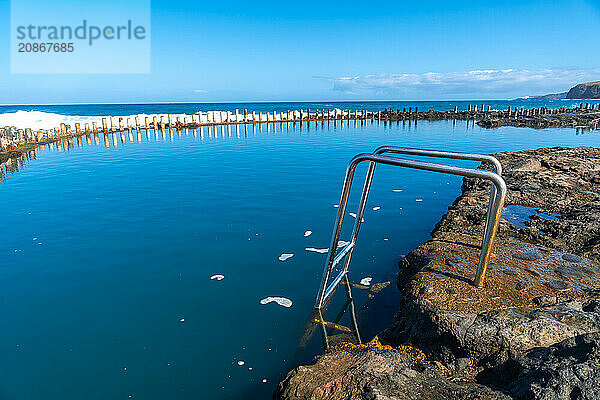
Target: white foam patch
39 120
366 281
217 277
396 190
307 233
241 362
336 205
376 208
342 243
316 250
282 301
42 120
353 215
285 256
418 200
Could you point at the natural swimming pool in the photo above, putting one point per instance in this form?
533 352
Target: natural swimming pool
105 288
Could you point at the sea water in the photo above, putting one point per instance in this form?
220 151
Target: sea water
51 116
153 269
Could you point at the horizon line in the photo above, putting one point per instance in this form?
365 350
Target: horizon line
268 101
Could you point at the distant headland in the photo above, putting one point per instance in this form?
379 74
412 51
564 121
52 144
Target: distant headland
588 90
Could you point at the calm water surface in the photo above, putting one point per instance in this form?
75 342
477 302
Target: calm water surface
108 250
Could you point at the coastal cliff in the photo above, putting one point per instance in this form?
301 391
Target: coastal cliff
589 90
582 91
530 333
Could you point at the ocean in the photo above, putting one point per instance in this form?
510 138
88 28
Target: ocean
50 116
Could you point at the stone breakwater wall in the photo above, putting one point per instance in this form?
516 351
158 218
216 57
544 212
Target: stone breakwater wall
532 330
584 116
11 138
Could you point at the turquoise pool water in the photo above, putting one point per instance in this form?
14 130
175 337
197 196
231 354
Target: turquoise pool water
108 250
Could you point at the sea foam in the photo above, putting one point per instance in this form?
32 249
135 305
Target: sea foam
285 256
282 301
314 250
40 120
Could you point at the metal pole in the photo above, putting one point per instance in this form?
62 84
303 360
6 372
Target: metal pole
336 232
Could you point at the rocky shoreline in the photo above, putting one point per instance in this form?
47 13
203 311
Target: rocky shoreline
585 116
532 331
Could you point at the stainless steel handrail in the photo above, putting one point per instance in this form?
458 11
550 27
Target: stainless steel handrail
440 154
494 211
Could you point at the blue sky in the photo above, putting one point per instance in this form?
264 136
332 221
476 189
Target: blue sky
315 50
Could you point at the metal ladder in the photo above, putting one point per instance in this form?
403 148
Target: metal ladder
496 203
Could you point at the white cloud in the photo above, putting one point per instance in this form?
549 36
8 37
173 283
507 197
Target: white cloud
485 83
201 91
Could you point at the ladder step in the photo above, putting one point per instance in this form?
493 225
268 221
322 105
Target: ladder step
340 256
333 325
